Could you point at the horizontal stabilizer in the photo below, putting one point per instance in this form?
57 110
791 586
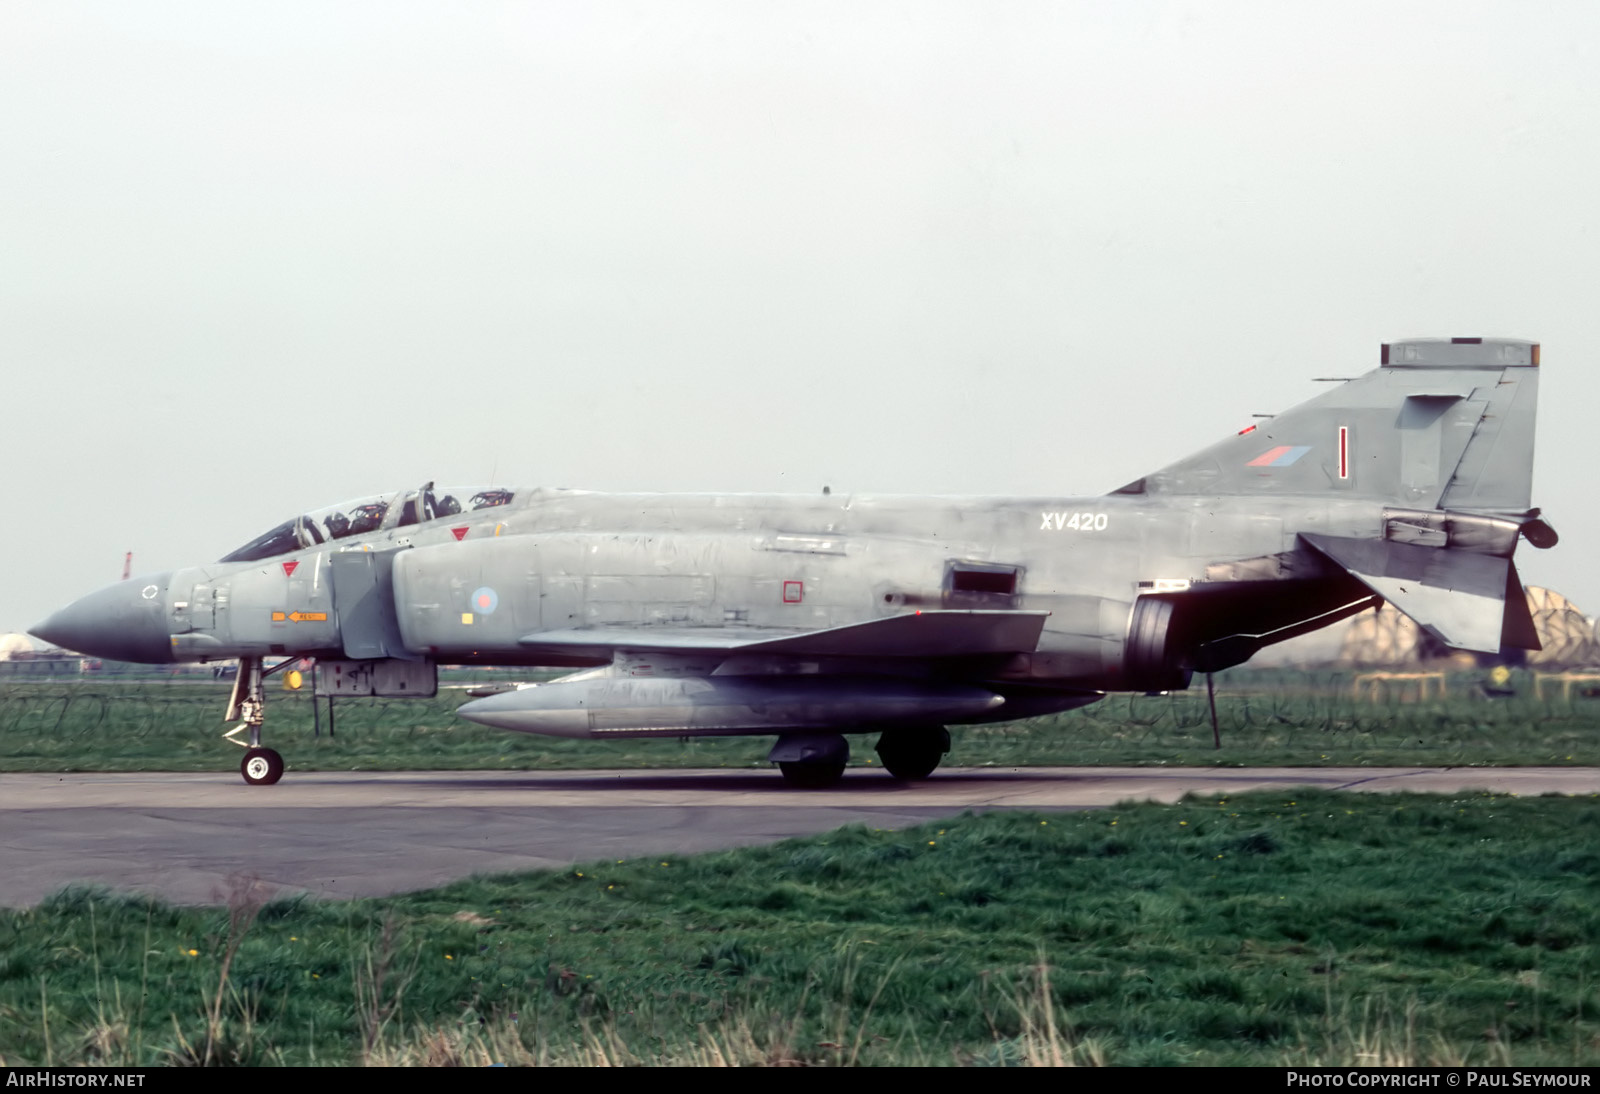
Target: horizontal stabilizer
923 634
1459 597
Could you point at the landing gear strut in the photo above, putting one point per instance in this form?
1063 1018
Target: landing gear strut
261 766
913 753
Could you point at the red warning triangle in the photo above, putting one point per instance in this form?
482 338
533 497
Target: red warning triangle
459 533
289 568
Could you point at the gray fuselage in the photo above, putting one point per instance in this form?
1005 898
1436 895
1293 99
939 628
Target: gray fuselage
559 560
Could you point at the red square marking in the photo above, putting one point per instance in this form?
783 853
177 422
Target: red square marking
794 592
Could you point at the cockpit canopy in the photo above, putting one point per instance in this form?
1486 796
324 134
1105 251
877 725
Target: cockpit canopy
366 515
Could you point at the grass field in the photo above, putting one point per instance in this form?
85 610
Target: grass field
1267 718
1264 929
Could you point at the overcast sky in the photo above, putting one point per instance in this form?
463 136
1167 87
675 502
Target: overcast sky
258 259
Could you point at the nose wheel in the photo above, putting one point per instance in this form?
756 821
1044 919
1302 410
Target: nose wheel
261 767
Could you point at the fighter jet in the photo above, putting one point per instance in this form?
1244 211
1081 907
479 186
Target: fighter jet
811 618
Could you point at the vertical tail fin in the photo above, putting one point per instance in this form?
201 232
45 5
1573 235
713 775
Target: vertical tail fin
1440 424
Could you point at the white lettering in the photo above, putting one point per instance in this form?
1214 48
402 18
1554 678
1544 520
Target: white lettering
1075 522
74 1078
1523 1078
1363 1078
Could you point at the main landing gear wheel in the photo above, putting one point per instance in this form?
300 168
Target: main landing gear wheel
811 760
910 754
261 767
811 776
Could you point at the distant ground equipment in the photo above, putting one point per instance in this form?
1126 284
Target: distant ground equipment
20 657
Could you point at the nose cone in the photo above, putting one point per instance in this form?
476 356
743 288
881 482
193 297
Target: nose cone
125 622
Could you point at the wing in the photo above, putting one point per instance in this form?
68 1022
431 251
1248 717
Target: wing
920 634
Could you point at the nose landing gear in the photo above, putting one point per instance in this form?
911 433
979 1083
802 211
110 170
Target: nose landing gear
261 766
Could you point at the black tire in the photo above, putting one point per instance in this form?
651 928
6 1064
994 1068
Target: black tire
812 776
909 768
910 754
261 767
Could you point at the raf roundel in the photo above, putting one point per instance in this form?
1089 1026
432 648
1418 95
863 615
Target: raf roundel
485 601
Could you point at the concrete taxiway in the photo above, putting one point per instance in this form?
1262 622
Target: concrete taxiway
334 834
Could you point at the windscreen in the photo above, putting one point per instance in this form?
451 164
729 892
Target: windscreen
279 541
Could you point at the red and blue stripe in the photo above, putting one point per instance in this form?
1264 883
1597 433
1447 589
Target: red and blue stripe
1282 456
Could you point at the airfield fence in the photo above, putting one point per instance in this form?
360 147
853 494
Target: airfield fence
1264 716
1317 716
138 706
